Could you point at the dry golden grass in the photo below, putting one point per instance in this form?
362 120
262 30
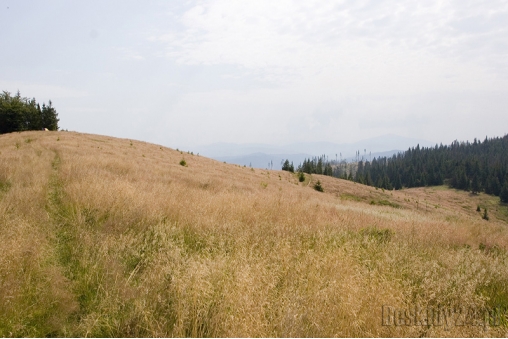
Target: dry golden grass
112 237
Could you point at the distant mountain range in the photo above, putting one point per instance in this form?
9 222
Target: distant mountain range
263 160
261 155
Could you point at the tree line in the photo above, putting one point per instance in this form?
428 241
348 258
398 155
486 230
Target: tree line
475 167
22 114
316 165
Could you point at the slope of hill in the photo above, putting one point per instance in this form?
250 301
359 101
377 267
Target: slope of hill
112 237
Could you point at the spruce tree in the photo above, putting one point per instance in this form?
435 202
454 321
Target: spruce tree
503 195
319 167
475 185
287 166
398 183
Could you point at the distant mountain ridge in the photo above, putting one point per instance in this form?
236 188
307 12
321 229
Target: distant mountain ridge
377 144
263 160
260 155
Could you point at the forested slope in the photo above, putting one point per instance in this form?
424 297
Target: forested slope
476 167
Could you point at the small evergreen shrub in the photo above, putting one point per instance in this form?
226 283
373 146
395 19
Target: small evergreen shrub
183 163
318 187
485 215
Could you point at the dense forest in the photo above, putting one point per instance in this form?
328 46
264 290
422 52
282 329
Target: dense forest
476 167
23 114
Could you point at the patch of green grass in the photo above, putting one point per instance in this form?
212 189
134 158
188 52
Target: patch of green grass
452 218
440 188
347 196
379 235
496 291
5 185
495 208
32 313
191 241
502 212
93 217
139 255
384 203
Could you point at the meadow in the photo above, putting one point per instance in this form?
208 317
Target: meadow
113 237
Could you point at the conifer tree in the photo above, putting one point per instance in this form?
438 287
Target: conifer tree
287 166
475 185
503 195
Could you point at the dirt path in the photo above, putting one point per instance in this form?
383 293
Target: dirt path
59 217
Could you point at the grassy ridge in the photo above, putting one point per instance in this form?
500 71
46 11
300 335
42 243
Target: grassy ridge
112 237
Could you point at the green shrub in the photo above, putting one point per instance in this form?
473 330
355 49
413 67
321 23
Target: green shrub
384 203
183 163
485 215
318 187
301 177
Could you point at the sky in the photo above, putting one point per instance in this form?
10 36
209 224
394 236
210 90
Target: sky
187 73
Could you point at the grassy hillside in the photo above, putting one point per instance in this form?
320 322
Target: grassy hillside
112 237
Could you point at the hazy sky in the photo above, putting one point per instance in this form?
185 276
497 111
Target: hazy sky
184 73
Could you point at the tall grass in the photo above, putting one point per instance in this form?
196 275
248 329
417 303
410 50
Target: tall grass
107 237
